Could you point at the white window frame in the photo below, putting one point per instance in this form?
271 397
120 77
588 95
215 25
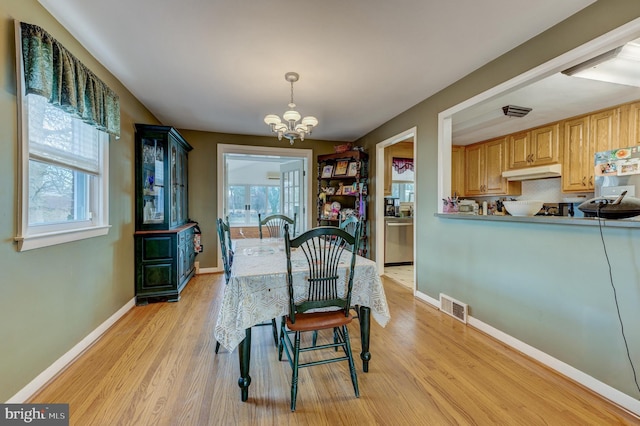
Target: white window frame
34 237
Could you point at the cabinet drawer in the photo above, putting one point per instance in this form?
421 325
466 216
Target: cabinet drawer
155 248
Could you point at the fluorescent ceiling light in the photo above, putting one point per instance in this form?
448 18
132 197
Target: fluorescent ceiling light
620 65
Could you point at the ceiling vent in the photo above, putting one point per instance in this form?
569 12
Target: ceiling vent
515 111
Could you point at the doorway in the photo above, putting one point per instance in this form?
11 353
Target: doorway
403 273
258 180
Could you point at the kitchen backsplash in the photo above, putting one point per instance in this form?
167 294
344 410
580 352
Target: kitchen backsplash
545 190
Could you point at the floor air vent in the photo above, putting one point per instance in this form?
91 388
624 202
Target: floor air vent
452 307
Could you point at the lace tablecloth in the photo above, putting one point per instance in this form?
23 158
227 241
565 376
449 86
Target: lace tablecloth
257 289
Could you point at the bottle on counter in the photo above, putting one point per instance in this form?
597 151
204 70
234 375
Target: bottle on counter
484 208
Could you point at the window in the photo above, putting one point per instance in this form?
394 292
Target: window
403 191
246 201
63 178
63 153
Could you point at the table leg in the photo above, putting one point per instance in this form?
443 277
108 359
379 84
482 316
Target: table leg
364 315
244 355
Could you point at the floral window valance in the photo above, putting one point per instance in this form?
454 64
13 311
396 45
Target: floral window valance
53 72
401 165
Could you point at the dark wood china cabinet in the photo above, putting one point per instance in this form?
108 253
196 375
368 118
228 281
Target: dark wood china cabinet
164 239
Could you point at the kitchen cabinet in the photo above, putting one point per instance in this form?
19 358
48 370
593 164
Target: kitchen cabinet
630 125
583 137
484 164
457 170
536 147
164 241
342 189
576 156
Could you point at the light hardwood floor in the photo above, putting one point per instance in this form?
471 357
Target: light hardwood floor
157 366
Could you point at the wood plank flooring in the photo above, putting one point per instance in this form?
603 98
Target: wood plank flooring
157 366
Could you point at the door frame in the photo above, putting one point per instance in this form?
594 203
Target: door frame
379 207
223 149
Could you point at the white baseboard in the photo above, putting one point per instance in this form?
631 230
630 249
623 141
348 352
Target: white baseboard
622 399
430 300
208 271
34 386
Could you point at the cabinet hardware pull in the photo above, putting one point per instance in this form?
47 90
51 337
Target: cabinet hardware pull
590 180
584 178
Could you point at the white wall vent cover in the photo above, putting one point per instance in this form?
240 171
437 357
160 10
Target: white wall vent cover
453 307
273 175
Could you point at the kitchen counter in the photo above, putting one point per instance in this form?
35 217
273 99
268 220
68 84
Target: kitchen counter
547 220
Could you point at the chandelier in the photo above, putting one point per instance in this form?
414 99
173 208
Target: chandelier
288 126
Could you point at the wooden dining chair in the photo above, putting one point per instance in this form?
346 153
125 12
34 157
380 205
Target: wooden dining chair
224 235
275 225
324 289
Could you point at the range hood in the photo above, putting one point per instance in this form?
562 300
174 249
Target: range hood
538 172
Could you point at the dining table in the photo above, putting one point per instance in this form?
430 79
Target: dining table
257 291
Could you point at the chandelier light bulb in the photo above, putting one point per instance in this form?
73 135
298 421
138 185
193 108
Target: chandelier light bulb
291 115
289 126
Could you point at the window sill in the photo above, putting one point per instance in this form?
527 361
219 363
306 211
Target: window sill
54 238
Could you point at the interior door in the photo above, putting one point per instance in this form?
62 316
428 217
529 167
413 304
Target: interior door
292 193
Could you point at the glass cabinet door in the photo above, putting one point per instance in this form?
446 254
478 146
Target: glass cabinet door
174 167
153 192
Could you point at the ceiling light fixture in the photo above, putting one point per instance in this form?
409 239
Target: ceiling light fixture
289 126
620 65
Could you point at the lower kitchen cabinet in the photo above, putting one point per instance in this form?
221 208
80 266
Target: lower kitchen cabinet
164 262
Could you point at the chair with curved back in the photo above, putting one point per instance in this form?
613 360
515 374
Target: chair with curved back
274 224
322 302
224 235
349 224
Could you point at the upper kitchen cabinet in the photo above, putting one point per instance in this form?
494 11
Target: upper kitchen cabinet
576 156
630 125
536 147
583 137
484 164
161 178
457 170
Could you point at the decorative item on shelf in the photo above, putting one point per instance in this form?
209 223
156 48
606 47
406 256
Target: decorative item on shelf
290 128
345 213
339 149
340 190
335 210
327 171
352 171
341 168
329 190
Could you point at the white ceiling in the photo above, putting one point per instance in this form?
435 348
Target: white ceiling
551 99
219 65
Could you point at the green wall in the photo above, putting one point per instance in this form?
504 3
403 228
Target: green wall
53 297
546 285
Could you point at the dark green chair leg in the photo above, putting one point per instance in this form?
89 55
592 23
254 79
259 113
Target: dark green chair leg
352 366
274 328
294 377
217 346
